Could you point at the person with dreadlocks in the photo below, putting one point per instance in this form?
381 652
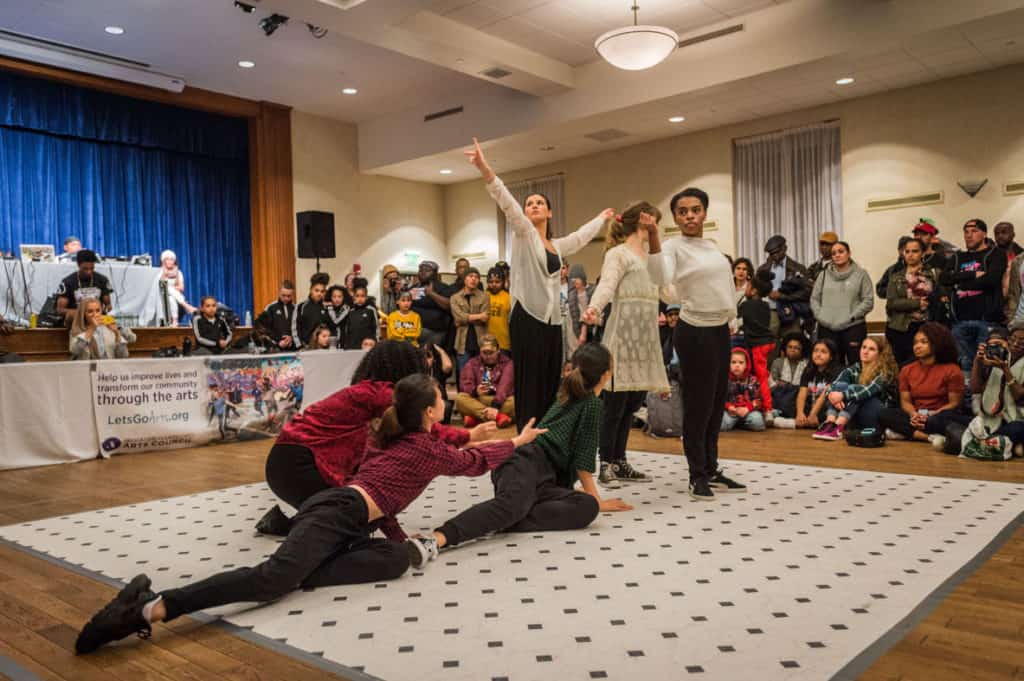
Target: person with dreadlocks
322 447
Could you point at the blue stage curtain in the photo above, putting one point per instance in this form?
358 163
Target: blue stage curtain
127 177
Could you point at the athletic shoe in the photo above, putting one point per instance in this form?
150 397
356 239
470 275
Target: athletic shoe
828 431
274 522
783 422
720 483
626 473
469 422
119 618
421 550
503 420
938 441
701 491
891 434
607 475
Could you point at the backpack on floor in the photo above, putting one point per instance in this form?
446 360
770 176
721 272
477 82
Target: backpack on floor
665 417
865 437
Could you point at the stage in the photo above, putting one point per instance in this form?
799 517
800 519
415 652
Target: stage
976 632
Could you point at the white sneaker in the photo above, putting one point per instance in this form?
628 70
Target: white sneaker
783 422
938 441
421 550
891 434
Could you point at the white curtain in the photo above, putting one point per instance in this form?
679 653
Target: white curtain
788 183
552 187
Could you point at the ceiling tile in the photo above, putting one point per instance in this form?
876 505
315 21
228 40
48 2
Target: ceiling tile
735 8
964 54
936 41
477 15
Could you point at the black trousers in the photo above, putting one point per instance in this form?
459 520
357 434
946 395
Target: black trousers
847 340
328 545
898 421
618 419
902 342
538 351
292 474
526 499
704 367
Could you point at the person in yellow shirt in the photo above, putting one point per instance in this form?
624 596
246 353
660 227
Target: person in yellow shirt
501 308
403 323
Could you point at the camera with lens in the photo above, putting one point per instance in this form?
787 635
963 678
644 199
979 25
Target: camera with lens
996 352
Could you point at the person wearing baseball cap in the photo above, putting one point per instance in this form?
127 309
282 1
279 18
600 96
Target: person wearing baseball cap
391 286
825 241
934 251
72 245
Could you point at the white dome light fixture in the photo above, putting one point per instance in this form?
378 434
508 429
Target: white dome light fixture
637 47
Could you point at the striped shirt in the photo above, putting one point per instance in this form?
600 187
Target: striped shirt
572 438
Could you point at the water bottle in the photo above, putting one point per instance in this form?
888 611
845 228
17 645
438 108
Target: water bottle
186 347
248 318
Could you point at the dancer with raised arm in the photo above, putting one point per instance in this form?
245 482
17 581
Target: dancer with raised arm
631 334
704 285
536 260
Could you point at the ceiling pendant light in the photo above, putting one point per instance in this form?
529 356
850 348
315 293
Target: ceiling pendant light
637 47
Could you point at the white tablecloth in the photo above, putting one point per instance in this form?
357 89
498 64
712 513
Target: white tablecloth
136 289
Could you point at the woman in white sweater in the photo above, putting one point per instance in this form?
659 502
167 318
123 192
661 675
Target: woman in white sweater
631 334
704 286
92 339
535 324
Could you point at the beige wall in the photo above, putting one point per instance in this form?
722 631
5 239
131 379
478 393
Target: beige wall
896 143
377 220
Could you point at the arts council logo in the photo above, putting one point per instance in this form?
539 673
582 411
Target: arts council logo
111 444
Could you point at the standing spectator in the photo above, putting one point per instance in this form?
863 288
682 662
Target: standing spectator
403 323
391 280
824 367
338 304
430 300
975 276
1004 235
931 390
311 312
882 286
757 333
175 291
93 337
861 391
362 322
212 332
85 283
743 403
471 309
934 251
842 297
784 380
485 387
462 266
577 301
779 269
825 242
72 245
742 275
277 317
501 308
911 292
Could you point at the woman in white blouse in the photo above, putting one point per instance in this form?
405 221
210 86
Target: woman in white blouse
92 339
171 273
706 295
631 335
535 324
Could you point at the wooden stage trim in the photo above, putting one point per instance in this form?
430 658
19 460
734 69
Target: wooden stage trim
51 345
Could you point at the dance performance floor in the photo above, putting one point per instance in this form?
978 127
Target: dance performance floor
812 574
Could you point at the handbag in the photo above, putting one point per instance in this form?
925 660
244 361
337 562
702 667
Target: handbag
865 437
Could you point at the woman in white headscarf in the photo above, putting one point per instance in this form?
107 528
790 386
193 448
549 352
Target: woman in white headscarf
171 273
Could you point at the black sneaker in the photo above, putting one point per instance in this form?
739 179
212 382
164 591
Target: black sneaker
607 476
119 618
701 491
626 473
720 483
274 522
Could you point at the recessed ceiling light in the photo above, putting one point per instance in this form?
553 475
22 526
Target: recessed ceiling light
114 30
844 81
677 119
246 64
349 91
446 171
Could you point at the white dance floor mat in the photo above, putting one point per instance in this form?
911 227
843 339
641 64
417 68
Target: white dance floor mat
812 574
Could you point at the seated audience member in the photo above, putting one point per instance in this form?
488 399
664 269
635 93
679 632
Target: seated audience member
501 309
6 329
361 323
171 273
439 365
430 300
821 371
320 339
997 382
757 333
311 312
841 299
403 323
471 309
277 317
931 390
368 344
911 293
85 283
485 387
779 269
96 337
825 242
861 391
786 372
72 245
743 399
671 321
338 304
212 332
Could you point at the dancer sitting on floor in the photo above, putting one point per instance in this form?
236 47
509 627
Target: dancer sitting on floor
330 542
322 447
861 391
534 490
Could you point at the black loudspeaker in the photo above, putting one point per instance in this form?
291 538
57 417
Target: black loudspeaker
315 234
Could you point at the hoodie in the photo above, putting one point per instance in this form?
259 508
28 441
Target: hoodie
842 299
744 391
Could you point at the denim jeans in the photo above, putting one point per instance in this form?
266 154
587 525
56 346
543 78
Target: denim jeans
858 414
968 335
752 421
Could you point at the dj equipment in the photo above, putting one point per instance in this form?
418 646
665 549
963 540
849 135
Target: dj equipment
315 235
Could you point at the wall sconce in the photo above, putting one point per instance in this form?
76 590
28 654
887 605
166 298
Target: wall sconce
972 187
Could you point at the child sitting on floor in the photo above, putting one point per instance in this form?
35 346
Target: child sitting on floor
823 368
784 380
743 399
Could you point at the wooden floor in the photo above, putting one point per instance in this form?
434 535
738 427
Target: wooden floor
976 633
